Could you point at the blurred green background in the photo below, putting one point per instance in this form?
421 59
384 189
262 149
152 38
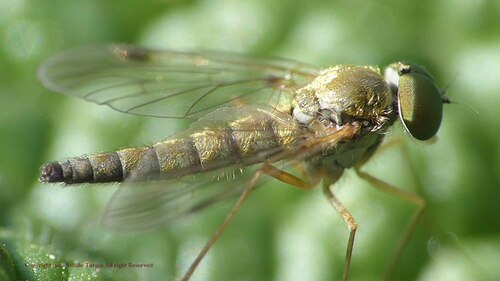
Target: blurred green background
281 233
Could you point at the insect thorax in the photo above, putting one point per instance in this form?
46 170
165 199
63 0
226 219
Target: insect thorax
344 94
341 95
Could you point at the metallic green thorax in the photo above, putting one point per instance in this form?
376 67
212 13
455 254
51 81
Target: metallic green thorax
345 94
340 95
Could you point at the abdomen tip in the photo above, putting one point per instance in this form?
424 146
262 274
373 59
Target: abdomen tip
51 172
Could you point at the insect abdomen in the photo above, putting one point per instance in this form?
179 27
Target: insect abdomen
242 142
96 168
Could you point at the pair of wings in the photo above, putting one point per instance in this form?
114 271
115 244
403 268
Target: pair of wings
168 84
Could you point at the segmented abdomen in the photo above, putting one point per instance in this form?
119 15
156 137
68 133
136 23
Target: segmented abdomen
218 140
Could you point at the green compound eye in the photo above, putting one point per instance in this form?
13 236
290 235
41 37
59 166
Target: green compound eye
420 102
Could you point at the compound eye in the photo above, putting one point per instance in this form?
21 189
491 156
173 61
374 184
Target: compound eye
419 100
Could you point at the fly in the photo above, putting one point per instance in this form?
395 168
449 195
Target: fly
249 117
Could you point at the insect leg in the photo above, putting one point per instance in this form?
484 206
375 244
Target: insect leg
410 228
287 177
347 217
250 185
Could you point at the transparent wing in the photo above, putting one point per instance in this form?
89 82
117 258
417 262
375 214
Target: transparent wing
172 84
144 205
147 205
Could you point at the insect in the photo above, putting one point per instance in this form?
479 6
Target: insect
252 118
